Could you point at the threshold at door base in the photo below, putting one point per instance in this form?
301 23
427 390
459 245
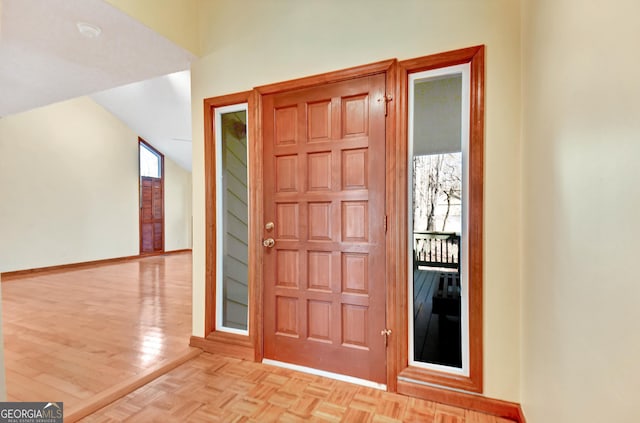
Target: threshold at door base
330 375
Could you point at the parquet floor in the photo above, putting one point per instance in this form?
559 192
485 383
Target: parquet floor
69 335
214 388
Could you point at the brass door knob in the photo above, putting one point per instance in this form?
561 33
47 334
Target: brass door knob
269 243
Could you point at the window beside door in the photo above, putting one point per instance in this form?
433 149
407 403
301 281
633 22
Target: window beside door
443 179
439 131
232 217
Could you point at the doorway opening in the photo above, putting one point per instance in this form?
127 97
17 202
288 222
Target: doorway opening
331 236
324 237
151 163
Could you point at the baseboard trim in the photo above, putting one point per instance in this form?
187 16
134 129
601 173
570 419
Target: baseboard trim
163 253
124 388
499 408
226 345
18 274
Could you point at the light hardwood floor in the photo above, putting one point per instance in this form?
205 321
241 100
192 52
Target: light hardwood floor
214 388
71 335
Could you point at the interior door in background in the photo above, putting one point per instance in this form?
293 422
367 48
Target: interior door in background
151 198
151 215
324 259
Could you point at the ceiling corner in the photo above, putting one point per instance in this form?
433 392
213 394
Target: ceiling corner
176 20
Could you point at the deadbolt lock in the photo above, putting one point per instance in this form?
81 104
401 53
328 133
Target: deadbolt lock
269 226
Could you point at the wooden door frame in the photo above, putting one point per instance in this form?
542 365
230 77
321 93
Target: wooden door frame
141 142
238 345
338 354
400 377
411 380
398 371
386 67
251 346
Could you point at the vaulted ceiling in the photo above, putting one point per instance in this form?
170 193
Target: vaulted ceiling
44 58
158 110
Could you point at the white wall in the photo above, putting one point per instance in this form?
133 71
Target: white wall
249 43
69 188
581 292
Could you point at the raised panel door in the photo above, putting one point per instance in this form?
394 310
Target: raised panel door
324 185
151 215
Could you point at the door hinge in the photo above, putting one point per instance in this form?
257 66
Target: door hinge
386 333
385 223
386 98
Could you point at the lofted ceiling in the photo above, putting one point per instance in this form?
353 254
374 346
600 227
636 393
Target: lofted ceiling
45 59
158 110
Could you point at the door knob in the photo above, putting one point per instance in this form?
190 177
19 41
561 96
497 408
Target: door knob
269 243
386 333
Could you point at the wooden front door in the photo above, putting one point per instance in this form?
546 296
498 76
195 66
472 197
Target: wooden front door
151 215
324 191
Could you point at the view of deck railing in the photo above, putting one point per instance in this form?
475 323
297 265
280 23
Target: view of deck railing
436 249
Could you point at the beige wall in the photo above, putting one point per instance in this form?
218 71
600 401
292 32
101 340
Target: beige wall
177 206
174 19
248 43
3 381
581 296
68 178
69 188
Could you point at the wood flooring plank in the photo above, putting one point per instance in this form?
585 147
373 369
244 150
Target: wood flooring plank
357 415
419 410
25 389
123 411
68 387
70 335
303 407
378 418
270 394
390 405
330 412
273 413
100 327
283 399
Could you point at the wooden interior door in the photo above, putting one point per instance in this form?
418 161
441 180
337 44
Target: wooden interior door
324 191
151 215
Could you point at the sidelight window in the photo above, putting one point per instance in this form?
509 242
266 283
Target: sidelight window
232 217
438 221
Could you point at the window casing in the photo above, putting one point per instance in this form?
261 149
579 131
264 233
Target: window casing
232 219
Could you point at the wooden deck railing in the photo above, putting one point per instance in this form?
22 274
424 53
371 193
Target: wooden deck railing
436 249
